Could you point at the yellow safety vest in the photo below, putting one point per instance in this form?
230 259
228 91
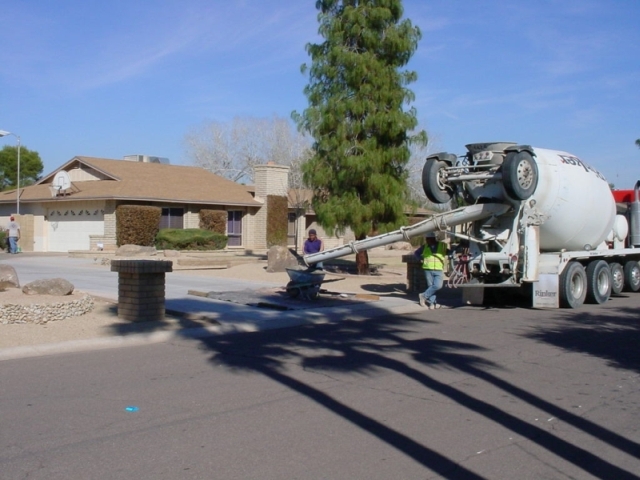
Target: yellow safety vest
434 261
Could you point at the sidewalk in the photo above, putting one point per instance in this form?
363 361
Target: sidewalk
353 297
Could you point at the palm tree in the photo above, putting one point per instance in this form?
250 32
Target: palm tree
638 143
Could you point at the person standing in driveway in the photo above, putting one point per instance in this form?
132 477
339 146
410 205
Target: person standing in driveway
13 232
433 255
313 244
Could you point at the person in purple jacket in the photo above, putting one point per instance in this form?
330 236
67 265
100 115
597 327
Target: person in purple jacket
313 244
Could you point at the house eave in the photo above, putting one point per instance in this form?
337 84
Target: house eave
71 198
80 160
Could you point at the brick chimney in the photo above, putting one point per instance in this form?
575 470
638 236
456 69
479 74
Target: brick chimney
270 179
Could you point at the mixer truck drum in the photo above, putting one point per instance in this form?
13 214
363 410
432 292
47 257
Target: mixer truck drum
434 181
519 175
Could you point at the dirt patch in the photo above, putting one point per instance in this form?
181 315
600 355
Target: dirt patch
95 323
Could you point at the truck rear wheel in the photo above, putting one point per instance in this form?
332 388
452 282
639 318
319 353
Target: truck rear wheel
519 175
433 181
632 276
573 286
617 278
598 282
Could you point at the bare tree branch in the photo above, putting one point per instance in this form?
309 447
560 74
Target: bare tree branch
233 149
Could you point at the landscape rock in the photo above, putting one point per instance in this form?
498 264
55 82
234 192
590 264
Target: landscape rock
16 312
171 253
280 258
48 286
135 251
8 277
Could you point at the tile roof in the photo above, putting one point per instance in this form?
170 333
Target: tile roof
149 182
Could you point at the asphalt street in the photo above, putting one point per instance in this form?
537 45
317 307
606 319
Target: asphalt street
462 393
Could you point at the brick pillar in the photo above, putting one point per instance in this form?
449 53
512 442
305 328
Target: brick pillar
416 281
141 288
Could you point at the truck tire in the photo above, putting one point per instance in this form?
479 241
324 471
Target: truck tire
617 278
519 175
432 183
632 276
573 286
598 282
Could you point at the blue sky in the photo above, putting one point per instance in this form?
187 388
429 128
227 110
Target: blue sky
109 79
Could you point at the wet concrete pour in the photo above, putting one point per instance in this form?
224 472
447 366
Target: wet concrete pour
279 299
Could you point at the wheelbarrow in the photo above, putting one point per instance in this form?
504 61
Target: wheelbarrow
306 283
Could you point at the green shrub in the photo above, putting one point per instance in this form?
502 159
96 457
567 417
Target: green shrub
137 224
277 220
3 240
214 220
189 239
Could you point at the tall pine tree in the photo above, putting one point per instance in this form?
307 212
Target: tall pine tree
358 116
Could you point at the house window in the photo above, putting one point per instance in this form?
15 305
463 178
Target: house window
291 229
234 228
172 218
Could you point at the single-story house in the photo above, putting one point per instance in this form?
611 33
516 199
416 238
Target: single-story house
74 208
82 215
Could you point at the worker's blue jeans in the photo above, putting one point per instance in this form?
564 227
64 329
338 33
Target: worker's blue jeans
13 244
435 280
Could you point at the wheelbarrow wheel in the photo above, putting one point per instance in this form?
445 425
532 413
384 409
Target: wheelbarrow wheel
313 292
292 290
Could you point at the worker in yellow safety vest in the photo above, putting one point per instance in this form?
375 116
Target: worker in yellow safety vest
433 255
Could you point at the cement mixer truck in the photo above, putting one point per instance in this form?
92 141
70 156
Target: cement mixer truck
536 220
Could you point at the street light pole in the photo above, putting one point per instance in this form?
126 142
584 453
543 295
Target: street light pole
4 133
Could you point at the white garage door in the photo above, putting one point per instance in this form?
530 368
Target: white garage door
69 228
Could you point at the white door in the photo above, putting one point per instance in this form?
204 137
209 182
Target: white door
70 228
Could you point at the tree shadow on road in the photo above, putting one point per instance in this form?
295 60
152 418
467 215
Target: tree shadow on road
352 344
612 334
394 344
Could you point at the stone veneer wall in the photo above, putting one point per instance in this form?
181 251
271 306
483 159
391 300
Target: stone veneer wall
44 313
254 233
191 219
27 228
249 233
110 223
108 239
